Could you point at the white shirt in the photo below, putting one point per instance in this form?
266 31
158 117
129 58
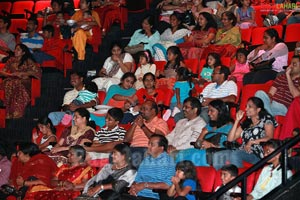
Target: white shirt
226 89
108 64
186 131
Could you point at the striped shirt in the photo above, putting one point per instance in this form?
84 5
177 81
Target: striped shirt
105 136
283 94
86 96
226 89
35 42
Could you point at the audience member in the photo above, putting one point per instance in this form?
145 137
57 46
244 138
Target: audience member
213 60
5 165
227 5
155 171
245 14
241 66
256 128
7 40
284 89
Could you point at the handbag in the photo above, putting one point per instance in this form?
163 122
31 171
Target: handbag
134 48
263 65
215 139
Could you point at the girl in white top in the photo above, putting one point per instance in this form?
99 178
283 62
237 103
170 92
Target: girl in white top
146 66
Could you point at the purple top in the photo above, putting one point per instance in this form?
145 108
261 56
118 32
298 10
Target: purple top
5 166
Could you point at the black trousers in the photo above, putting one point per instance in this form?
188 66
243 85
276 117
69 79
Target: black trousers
257 77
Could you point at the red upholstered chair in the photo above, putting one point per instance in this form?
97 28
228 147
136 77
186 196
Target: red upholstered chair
257 35
41 5
160 65
5 6
290 56
246 35
17 23
292 33
279 29
19 7
101 95
76 3
249 91
226 61
280 120
206 177
192 64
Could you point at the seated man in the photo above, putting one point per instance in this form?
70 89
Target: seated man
220 88
188 129
141 130
7 40
155 172
283 90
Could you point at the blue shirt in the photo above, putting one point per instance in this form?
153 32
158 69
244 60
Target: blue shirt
154 170
35 42
192 183
206 73
223 129
116 89
185 88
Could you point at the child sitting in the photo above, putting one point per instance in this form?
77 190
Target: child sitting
245 14
241 66
228 173
213 60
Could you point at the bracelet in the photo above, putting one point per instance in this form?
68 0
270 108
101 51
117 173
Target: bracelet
101 187
146 185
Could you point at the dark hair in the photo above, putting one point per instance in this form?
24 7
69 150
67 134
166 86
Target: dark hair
224 70
176 51
34 20
45 121
128 74
185 75
242 51
149 74
116 113
151 21
216 56
6 20
116 44
273 34
29 148
48 28
83 112
240 4
153 105
230 16
231 169
80 74
146 54
89 12
188 169
91 86
225 3
179 17
27 55
296 56
211 22
163 142
195 103
3 151
124 150
80 152
262 113
223 113
59 2
273 143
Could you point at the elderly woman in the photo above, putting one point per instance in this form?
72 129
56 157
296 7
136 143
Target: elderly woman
176 34
256 128
79 133
147 35
114 67
69 179
218 127
32 170
112 178
17 83
227 39
82 31
273 47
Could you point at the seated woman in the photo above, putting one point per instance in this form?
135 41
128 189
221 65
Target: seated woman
273 47
114 67
82 33
18 71
271 175
219 125
79 133
120 96
147 35
256 128
113 178
31 171
227 39
203 35
176 34
229 5
245 14
44 134
69 179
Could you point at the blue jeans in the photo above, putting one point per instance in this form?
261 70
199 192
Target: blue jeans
274 108
56 117
235 157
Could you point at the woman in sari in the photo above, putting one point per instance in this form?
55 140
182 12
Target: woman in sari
69 179
203 35
17 83
219 123
228 38
114 67
79 133
31 171
82 31
176 34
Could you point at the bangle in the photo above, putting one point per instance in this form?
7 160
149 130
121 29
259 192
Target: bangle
146 185
102 187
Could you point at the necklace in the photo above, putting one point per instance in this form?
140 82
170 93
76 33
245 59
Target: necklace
117 168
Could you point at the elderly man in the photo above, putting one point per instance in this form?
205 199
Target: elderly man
7 40
284 89
220 88
188 129
155 172
143 127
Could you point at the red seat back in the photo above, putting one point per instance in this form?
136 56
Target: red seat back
160 65
280 120
206 177
5 6
192 64
257 35
41 5
19 7
17 23
292 33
